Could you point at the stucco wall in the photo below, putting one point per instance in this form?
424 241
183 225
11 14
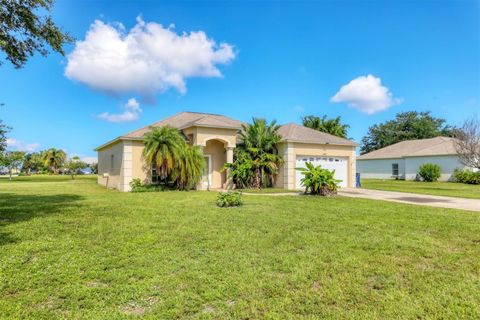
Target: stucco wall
380 168
114 179
216 149
202 135
447 165
291 150
140 170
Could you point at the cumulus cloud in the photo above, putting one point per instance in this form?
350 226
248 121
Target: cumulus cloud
17 145
146 60
366 94
132 113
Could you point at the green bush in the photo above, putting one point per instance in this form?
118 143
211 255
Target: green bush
466 176
429 172
136 185
229 199
317 180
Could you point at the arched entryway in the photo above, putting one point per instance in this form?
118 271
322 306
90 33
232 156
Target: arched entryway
215 158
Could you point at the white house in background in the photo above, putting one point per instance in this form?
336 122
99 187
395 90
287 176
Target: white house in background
402 160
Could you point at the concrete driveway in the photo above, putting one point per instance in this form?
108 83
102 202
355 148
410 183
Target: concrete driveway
413 198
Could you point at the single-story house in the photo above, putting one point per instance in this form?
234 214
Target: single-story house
120 160
403 159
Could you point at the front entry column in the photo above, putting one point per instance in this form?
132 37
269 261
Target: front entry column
229 183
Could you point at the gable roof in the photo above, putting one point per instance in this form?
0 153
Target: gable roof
297 133
414 148
189 119
290 132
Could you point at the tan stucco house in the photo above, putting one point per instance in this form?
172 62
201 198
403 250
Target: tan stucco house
120 160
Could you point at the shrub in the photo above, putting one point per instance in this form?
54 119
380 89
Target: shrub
429 172
229 199
317 180
136 185
466 176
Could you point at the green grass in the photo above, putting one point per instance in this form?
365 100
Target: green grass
268 190
449 189
46 178
72 249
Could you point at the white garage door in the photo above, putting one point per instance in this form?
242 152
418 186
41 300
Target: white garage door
331 163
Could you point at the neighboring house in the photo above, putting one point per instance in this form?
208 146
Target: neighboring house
403 159
120 160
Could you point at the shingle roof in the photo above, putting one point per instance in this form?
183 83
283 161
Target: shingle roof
289 132
414 148
189 119
298 133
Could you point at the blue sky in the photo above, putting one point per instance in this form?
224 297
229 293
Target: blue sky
281 60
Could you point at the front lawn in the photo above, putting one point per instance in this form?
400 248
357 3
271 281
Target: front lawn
449 189
72 249
268 190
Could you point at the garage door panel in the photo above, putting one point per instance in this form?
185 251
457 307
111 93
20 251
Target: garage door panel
339 164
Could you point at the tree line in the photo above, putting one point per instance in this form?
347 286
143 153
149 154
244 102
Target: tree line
50 161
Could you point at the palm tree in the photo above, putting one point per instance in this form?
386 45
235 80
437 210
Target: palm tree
257 150
163 149
54 159
332 126
189 169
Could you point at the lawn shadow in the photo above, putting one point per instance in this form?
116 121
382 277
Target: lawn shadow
18 208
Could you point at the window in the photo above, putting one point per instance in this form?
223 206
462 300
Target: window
112 163
395 169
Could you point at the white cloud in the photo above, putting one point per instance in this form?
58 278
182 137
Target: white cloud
131 113
89 160
146 60
366 94
17 145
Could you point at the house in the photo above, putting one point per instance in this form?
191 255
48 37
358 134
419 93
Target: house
403 159
120 160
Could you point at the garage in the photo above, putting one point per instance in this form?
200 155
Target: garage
339 164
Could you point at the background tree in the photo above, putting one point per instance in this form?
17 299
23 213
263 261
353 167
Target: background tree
93 167
24 30
12 160
74 165
32 162
332 126
256 158
406 126
3 136
54 159
468 143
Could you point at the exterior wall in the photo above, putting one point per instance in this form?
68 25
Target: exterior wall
202 135
115 179
290 151
216 149
380 168
447 165
140 169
